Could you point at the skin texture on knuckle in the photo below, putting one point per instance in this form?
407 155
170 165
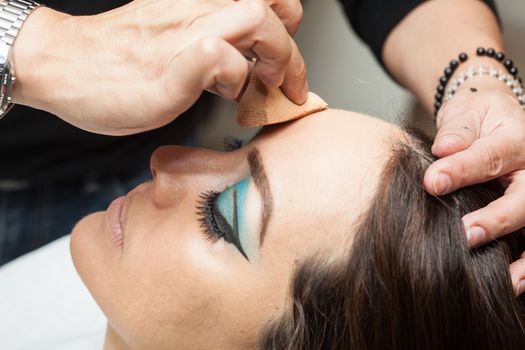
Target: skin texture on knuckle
205 56
227 73
209 49
515 156
255 12
501 222
492 162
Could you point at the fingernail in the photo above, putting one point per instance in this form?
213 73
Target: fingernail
521 288
442 184
475 236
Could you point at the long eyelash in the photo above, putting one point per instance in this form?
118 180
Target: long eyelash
231 143
205 211
207 216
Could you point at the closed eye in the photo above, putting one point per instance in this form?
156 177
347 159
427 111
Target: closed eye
213 222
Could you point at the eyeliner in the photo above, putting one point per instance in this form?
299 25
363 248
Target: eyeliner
236 224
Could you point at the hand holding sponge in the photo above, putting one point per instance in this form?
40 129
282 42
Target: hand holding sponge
261 106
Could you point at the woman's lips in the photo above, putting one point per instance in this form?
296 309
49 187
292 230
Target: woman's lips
117 212
114 219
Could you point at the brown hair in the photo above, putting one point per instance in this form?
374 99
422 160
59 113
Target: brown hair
409 281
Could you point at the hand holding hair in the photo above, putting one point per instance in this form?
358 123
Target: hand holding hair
139 66
481 134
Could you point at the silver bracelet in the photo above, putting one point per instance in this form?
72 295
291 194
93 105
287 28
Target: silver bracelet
511 81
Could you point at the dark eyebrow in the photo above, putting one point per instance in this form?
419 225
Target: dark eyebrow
263 185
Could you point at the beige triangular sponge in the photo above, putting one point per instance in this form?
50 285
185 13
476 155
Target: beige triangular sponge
261 106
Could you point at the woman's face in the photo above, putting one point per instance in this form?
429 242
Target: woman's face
184 267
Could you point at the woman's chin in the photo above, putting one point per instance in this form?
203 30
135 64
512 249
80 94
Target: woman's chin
90 252
84 237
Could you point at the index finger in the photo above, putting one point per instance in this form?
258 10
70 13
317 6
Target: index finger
500 217
486 159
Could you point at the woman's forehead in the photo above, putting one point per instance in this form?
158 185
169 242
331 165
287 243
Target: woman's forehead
337 126
323 170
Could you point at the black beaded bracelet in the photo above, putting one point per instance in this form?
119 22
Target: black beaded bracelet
463 57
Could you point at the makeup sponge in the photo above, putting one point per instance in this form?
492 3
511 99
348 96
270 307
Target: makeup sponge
261 106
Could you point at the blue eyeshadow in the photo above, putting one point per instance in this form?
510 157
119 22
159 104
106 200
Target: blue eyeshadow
235 197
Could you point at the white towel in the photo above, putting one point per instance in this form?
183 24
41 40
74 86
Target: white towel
45 305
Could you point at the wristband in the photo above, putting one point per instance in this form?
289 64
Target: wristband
517 82
511 81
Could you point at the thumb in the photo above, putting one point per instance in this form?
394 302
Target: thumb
453 135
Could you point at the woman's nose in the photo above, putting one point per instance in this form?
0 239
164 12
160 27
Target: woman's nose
177 170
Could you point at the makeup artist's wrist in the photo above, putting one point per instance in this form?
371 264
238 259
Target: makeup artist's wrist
478 74
473 63
420 47
37 54
485 84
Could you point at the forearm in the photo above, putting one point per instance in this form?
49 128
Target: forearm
422 45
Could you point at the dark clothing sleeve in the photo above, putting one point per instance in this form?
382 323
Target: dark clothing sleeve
374 19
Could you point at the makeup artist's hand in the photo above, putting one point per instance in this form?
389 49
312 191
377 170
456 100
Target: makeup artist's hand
139 66
289 11
481 136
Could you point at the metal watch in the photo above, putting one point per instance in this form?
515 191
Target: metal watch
13 14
